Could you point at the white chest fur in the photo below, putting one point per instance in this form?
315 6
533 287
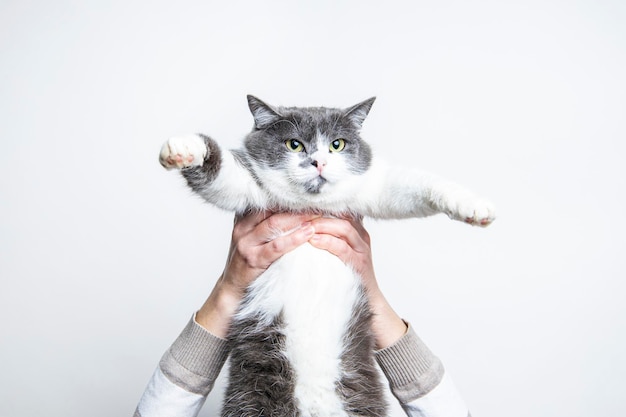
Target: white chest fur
316 294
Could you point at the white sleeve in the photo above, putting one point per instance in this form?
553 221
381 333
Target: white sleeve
443 401
185 375
418 380
163 398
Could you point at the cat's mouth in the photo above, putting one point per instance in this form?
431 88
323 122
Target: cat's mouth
315 185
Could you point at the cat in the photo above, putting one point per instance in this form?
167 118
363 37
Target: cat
301 341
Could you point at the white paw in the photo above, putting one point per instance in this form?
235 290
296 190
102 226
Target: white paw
466 207
183 152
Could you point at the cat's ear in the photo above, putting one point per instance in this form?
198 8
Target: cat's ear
264 115
358 112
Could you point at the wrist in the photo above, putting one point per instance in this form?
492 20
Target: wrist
387 326
216 313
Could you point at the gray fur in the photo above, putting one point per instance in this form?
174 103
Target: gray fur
360 386
266 145
198 177
261 382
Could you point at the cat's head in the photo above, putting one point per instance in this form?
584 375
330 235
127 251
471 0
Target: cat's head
308 151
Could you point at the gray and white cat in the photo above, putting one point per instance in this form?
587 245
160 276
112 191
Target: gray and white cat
301 341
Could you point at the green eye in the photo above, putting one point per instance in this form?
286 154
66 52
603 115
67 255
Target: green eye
294 145
337 145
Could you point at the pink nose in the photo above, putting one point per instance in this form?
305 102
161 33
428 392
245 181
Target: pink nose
319 165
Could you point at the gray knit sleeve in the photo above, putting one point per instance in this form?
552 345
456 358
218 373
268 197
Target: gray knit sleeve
195 359
410 367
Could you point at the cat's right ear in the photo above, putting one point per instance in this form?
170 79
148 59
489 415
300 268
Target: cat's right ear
359 112
264 115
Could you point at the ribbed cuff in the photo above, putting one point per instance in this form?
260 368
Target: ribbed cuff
195 359
410 367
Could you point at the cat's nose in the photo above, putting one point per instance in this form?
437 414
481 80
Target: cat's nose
318 160
319 164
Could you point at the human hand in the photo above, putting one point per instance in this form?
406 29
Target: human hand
348 240
258 240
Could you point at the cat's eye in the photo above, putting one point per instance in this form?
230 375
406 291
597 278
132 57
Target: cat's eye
337 145
294 145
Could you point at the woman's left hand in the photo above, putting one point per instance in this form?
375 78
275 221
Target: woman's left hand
347 239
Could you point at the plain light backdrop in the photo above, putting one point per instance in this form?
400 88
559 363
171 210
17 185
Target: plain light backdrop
104 255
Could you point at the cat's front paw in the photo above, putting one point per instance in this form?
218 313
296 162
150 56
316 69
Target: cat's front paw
479 213
468 208
183 152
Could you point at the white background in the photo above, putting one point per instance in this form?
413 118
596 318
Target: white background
104 255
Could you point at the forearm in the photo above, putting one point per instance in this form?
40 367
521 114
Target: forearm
418 380
216 313
185 375
187 371
387 326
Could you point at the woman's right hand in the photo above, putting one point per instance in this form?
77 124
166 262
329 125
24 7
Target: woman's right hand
258 240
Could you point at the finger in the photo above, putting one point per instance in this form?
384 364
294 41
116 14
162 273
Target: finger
246 222
275 230
357 223
337 246
280 224
352 233
274 249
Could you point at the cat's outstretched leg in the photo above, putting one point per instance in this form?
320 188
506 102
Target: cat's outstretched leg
183 152
463 205
198 157
217 176
396 192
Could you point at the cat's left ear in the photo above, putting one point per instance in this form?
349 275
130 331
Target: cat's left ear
358 112
264 115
